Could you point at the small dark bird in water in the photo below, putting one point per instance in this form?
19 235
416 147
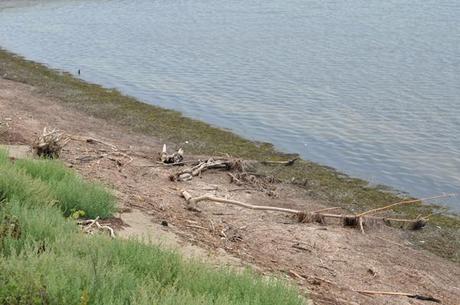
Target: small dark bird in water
78 71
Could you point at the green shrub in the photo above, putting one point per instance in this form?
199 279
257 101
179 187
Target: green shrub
16 185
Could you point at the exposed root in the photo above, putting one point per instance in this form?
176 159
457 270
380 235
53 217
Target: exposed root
417 225
350 221
307 217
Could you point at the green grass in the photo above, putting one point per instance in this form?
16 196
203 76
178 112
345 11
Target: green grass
45 259
319 182
51 183
71 192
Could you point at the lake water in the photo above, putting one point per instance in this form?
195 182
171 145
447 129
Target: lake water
369 87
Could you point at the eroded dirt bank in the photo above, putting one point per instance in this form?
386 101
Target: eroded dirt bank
329 261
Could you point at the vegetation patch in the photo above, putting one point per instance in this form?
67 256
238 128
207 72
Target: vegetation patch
319 182
45 259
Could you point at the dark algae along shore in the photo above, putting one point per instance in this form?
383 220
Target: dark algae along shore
441 236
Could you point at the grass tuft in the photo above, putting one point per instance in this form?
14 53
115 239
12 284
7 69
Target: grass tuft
71 191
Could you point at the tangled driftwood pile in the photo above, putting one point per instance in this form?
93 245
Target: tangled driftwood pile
50 143
197 169
240 177
265 184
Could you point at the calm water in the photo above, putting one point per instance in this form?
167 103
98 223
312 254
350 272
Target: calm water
369 87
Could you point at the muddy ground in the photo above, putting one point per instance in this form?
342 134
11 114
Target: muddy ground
328 261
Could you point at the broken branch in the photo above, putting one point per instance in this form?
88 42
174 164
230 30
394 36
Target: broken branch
287 163
390 206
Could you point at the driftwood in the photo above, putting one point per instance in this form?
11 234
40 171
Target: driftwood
410 295
193 201
287 163
50 143
173 158
87 226
189 173
303 216
405 202
257 182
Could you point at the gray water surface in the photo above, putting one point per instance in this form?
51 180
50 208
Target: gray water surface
369 87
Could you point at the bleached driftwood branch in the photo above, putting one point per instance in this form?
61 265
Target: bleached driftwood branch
404 202
303 216
89 223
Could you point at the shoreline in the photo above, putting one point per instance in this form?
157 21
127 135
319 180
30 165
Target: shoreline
320 182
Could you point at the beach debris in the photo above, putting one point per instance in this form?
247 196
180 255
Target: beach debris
409 295
286 163
348 220
88 227
260 183
50 143
173 158
196 170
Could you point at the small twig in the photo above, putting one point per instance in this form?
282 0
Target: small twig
390 206
292 272
298 246
410 295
